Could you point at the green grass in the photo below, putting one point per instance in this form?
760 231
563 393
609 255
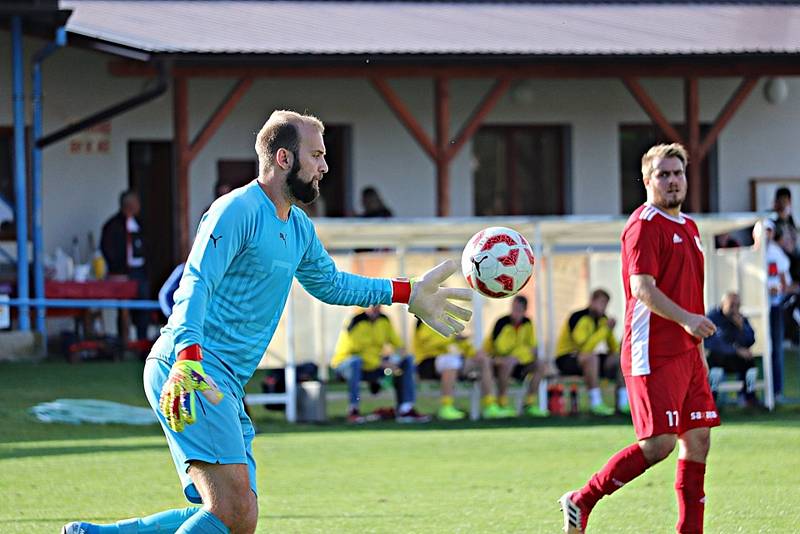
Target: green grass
465 477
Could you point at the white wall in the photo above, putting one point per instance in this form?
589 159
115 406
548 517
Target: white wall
81 190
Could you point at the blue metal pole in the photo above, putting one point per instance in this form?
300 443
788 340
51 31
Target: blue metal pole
36 174
20 197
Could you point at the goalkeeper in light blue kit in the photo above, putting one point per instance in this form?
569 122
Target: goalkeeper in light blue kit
249 246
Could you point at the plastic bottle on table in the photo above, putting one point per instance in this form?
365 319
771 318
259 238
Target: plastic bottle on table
573 399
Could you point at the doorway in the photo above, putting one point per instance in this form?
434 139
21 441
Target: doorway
150 173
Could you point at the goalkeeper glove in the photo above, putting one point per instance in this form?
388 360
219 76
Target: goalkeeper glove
431 303
186 378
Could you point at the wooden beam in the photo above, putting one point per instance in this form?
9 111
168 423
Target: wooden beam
478 115
651 108
488 67
405 116
180 121
728 111
691 108
442 112
218 117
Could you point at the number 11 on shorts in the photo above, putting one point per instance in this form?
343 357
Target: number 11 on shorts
672 417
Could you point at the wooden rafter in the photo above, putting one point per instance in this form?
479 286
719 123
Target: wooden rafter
731 107
404 115
651 108
218 117
478 115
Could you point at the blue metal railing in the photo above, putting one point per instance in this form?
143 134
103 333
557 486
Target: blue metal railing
85 303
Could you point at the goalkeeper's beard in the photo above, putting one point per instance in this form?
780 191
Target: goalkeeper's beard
297 189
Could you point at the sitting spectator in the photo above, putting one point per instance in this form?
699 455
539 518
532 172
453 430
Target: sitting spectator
587 347
373 204
729 348
512 346
361 354
443 359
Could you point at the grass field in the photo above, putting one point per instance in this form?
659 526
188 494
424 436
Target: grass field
467 477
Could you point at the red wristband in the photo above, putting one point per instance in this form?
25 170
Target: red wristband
192 352
401 290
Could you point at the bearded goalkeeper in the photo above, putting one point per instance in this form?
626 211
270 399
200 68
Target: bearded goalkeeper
250 245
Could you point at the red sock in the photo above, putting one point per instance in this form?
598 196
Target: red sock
691 497
623 467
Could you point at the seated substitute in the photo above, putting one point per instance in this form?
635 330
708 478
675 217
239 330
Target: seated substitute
587 347
360 355
512 347
729 348
444 358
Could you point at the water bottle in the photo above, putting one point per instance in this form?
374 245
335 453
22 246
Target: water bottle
573 399
76 251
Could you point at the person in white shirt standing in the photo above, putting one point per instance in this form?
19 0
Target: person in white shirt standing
779 282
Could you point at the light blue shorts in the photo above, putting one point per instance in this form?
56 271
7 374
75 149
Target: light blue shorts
222 434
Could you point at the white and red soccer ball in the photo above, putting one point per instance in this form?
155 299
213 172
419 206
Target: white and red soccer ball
497 262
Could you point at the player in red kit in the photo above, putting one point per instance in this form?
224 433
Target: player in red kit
661 357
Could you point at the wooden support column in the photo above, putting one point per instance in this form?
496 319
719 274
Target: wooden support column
186 152
696 146
442 150
442 112
180 122
691 110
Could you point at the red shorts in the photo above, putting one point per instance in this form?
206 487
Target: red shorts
673 398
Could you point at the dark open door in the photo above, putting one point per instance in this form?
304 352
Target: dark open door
150 174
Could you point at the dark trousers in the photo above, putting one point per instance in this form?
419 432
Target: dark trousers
733 364
140 318
776 353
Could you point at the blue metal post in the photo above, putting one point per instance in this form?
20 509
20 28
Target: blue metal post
36 174
20 198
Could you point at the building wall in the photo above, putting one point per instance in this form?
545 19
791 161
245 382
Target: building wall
81 190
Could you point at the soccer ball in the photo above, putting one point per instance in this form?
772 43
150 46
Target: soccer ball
497 262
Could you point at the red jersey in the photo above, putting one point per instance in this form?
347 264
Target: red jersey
668 249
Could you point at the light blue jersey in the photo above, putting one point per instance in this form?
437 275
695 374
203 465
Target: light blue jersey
238 277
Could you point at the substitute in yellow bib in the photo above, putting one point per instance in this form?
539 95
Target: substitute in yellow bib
444 359
587 347
364 351
512 347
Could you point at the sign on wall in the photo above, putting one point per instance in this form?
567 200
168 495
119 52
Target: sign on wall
94 140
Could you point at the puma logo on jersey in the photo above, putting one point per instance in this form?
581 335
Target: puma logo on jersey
676 238
283 237
215 239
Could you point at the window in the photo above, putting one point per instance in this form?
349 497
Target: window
635 140
520 170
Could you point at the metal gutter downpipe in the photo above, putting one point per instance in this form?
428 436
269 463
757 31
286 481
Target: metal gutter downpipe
36 173
109 112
